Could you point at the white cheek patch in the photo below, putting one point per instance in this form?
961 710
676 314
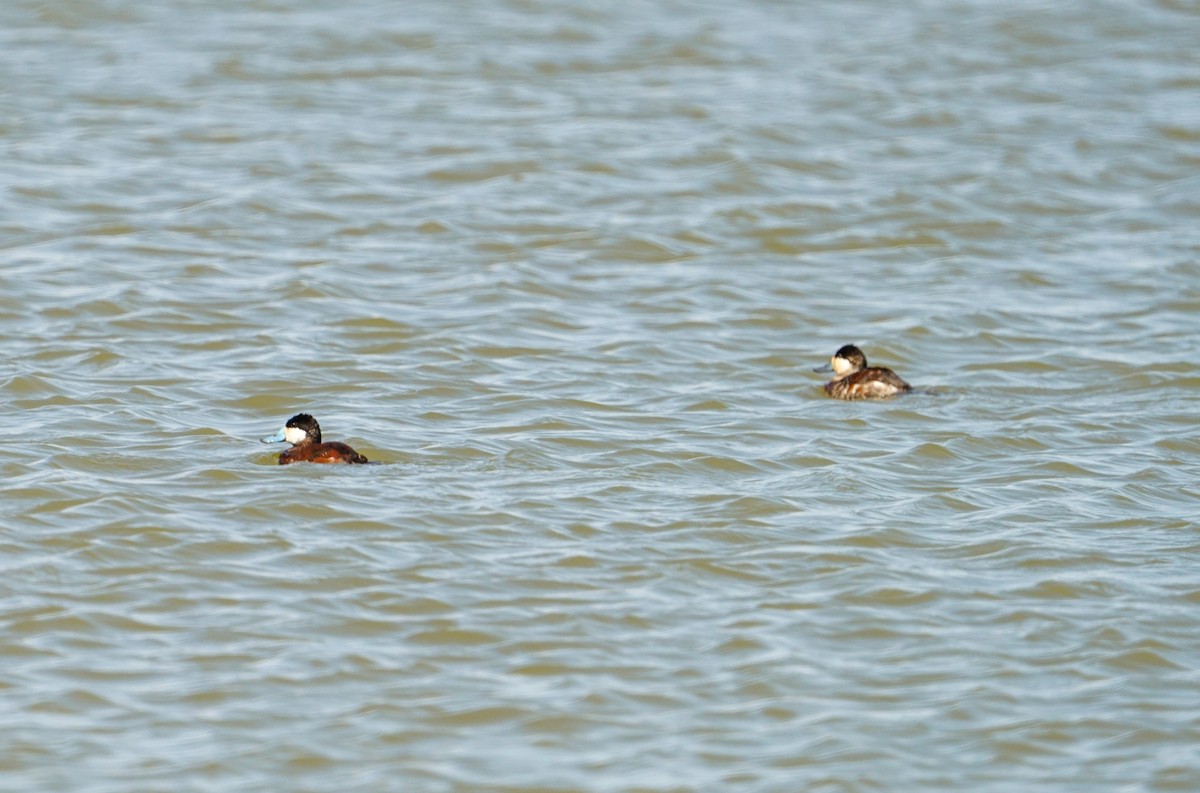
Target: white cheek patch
841 365
294 435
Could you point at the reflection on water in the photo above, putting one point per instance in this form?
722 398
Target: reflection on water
564 271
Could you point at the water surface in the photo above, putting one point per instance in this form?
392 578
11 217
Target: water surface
564 271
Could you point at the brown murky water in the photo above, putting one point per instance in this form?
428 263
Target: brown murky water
564 270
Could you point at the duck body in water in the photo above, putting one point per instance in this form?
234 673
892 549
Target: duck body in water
853 379
304 433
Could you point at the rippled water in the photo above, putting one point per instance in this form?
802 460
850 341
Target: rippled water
564 269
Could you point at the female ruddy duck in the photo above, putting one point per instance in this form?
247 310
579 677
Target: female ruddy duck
304 433
853 379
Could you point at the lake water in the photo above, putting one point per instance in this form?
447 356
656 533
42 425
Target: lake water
564 269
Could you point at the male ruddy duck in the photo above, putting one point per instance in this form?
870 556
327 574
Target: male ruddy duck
304 433
853 379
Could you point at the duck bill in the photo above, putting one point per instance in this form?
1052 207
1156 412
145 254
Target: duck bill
276 438
824 368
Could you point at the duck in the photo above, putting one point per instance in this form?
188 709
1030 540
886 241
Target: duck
304 434
853 379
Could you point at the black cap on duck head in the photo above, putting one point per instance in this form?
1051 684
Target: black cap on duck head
853 355
303 421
